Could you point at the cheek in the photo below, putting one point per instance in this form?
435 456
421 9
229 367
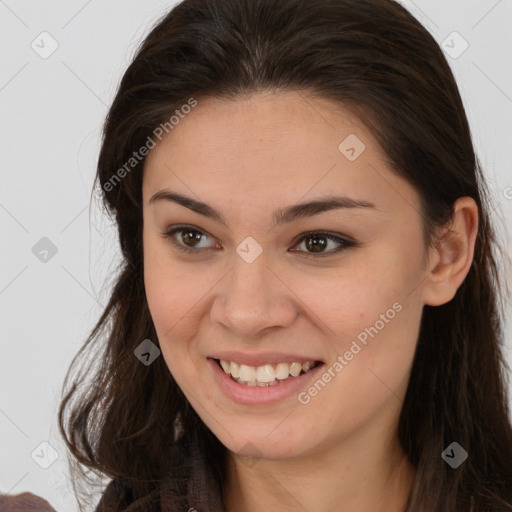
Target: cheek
160 283
373 329
172 289
168 300
168 305
344 301
176 298
370 316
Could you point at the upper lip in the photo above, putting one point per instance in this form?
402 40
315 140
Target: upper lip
261 358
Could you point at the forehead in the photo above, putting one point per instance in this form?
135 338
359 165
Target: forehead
259 123
272 147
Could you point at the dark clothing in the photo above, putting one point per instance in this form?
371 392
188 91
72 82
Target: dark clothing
197 493
26 502
187 487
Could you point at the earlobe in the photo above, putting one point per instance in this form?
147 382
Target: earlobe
454 254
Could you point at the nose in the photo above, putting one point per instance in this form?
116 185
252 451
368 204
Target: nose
253 299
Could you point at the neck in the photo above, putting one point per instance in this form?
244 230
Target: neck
353 476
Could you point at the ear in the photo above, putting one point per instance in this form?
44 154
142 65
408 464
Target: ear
452 257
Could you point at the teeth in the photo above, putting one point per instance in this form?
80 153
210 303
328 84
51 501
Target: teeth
307 366
295 369
266 375
247 373
235 370
282 371
259 384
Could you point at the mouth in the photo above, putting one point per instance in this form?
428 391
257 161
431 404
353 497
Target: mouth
266 375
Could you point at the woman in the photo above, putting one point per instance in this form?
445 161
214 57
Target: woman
308 313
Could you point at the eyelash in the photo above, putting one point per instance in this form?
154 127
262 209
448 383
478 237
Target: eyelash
345 244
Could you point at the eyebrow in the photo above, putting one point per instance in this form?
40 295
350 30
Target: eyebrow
280 216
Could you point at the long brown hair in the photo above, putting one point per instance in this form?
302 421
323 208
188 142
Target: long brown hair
121 417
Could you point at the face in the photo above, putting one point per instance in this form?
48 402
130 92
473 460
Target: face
271 291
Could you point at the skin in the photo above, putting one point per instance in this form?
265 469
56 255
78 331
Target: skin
246 157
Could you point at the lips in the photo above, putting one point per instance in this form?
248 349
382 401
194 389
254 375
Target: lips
264 375
263 358
262 371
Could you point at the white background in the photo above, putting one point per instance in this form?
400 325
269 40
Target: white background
52 111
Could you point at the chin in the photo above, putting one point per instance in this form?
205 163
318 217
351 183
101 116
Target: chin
264 442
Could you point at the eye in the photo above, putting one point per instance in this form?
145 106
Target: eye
189 234
315 241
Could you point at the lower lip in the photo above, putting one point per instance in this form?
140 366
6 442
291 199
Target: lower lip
254 395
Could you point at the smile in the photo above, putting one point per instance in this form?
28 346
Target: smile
265 375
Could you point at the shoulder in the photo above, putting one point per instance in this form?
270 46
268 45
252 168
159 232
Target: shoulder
117 495
170 492
25 502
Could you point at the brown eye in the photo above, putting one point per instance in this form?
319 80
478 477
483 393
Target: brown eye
191 236
188 240
317 242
